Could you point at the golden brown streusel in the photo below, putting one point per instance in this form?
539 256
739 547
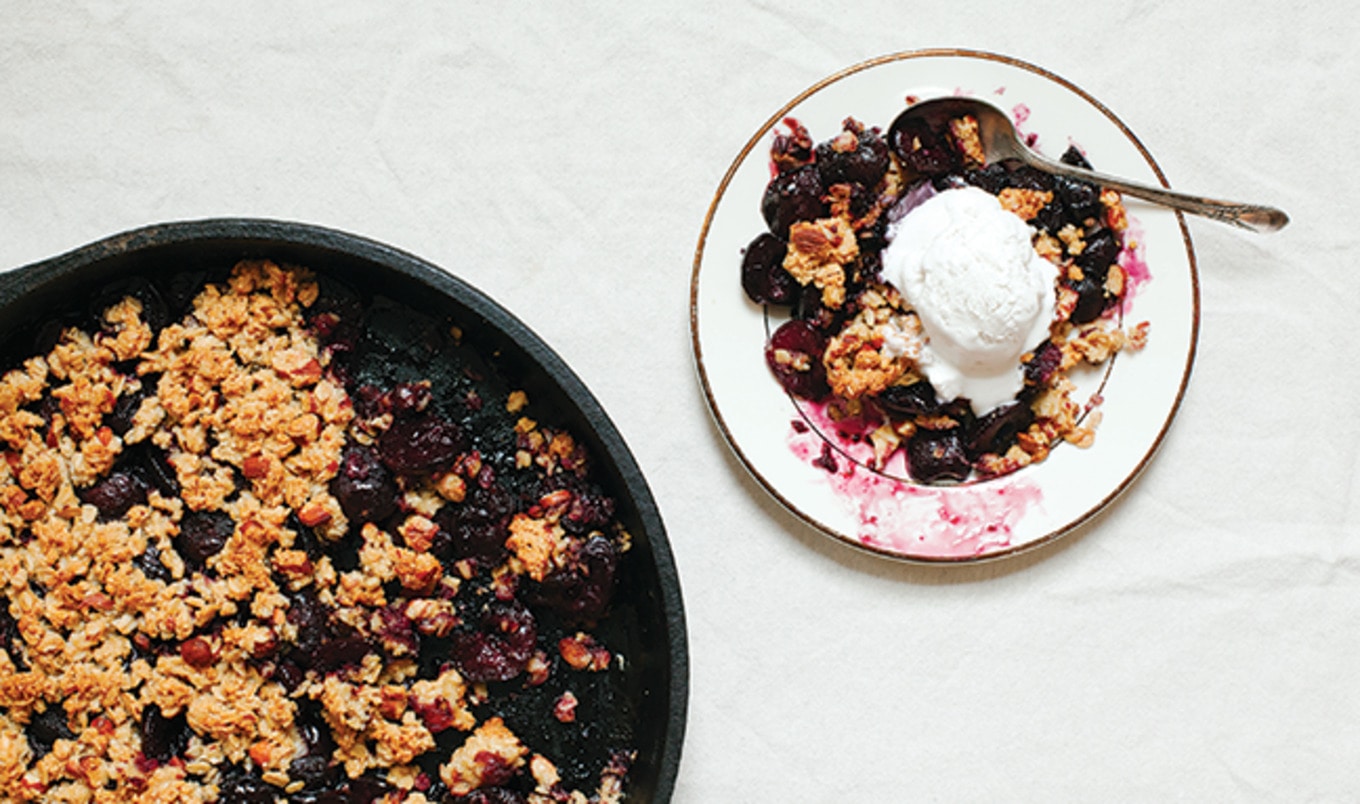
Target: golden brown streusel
818 253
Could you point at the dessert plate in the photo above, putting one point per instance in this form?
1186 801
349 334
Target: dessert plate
796 454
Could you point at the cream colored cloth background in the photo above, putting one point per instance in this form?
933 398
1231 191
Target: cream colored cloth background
1198 641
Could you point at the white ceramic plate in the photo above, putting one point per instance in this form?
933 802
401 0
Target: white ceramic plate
782 444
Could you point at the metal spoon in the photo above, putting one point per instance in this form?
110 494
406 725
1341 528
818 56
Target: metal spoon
1000 141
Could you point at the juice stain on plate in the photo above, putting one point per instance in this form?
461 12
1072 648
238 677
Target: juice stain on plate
895 515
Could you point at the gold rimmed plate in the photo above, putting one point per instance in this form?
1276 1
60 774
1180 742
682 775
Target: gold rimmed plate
830 482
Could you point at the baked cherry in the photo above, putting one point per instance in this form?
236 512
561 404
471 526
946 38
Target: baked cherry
239 786
991 178
363 486
995 431
120 419
421 444
1039 369
762 272
9 632
115 494
345 651
202 535
163 738
1091 299
935 456
46 727
1074 156
924 150
793 196
794 354
1080 198
856 156
582 590
500 645
1102 249
477 527
917 399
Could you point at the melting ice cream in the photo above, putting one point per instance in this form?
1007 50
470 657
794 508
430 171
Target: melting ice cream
983 294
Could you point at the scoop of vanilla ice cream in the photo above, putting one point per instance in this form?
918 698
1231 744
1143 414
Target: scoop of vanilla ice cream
984 295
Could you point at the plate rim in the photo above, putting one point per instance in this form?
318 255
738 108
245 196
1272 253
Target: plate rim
696 347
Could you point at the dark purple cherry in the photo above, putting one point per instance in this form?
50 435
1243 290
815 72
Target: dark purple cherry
311 618
1102 249
1074 156
991 178
312 770
115 494
239 786
120 420
154 311
1080 198
937 456
587 512
810 308
149 562
364 788
1091 299
413 446
369 401
923 149
346 651
477 527
500 646
794 354
46 727
290 675
396 632
202 535
762 272
995 431
855 157
1024 177
1050 217
364 487
151 465
791 197
409 398
917 399
9 632
583 590
873 238
1041 367
163 738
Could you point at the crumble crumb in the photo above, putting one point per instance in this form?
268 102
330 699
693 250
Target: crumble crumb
818 253
491 745
1025 203
876 349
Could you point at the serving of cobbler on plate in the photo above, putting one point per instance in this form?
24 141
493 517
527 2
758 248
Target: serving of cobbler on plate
927 355
865 339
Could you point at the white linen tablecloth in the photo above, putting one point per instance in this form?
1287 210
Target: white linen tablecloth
1200 640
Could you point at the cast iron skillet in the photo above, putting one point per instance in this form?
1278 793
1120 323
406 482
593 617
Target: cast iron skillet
63 285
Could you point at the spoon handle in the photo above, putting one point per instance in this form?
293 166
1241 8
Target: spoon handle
1253 217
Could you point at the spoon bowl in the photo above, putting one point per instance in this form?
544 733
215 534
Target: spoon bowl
1000 142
